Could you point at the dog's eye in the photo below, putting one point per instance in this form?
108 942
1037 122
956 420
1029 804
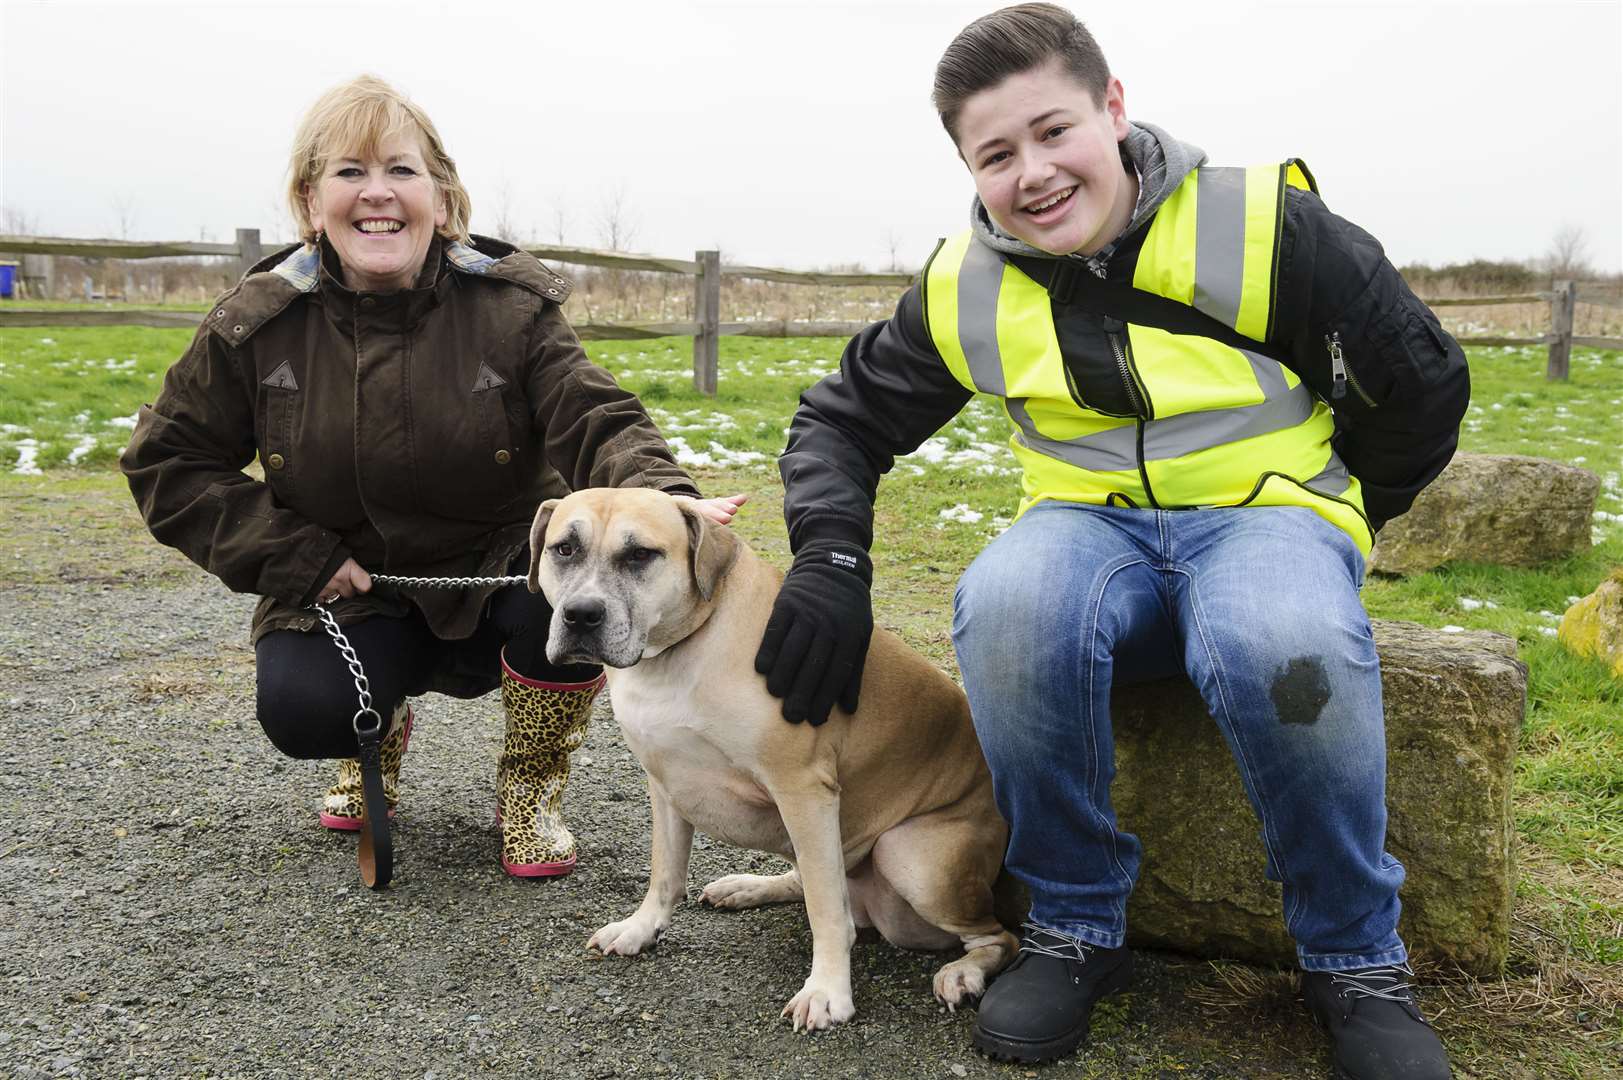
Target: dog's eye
640 555
563 550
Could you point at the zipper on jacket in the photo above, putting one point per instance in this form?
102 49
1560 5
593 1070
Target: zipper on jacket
1340 377
1118 348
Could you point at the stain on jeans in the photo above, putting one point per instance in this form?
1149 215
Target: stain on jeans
1300 691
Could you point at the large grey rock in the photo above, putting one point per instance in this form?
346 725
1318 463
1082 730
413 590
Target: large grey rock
1505 509
1454 706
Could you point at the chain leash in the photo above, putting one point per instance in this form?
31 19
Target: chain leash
363 689
375 852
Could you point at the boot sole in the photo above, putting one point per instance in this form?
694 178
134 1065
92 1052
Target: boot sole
544 869
345 823
1003 1048
342 823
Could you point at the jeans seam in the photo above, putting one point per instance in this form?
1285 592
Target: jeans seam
1242 755
1096 602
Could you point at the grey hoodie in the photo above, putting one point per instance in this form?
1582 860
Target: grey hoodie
1162 163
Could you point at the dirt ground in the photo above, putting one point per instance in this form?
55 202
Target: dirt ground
169 906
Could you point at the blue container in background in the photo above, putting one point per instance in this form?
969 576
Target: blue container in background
8 280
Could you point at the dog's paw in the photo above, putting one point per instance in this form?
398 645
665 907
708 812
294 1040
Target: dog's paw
959 983
735 892
627 937
817 1008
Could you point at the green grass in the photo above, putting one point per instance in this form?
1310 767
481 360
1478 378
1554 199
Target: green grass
67 389
68 396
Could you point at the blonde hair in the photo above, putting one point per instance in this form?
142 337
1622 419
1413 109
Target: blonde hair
353 118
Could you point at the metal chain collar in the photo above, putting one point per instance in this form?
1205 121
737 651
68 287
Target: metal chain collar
363 689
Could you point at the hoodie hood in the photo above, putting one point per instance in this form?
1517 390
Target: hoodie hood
1161 162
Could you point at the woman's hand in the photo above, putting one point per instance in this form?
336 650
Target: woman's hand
720 510
349 581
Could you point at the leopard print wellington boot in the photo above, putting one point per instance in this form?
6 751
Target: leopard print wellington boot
545 722
341 806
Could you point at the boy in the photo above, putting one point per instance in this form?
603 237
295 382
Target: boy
1170 341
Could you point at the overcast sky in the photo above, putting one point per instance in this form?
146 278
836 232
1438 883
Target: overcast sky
801 134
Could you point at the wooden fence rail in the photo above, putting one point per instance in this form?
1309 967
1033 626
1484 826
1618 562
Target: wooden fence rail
707 270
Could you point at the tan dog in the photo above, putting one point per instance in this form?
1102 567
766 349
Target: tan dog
887 815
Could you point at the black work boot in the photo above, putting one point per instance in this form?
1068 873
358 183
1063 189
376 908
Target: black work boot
1376 1031
1038 1009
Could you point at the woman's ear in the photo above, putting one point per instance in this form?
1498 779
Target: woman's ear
312 206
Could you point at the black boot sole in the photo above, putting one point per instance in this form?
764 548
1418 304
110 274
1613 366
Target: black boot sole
1003 1048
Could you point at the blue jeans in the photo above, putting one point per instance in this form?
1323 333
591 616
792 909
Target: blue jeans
1259 607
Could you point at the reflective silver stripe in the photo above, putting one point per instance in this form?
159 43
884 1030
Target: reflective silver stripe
1332 479
1220 243
1184 434
980 281
1117 449
1270 376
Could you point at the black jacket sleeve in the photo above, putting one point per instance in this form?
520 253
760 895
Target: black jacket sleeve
891 393
1398 414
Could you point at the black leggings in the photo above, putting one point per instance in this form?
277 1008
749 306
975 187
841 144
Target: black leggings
307 698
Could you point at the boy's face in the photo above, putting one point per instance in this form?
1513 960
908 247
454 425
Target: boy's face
1045 161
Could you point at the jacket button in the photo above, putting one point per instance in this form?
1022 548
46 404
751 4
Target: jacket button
367 301
503 457
276 461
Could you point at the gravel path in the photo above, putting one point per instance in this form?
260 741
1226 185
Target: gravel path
169 906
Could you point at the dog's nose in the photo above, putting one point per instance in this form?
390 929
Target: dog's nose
584 615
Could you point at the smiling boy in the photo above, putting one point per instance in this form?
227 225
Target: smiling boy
1220 391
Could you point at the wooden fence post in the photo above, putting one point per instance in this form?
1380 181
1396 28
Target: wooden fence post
1563 303
707 313
249 250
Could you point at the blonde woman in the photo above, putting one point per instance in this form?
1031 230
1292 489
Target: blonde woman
413 392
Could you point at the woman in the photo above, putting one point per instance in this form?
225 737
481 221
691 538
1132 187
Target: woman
413 393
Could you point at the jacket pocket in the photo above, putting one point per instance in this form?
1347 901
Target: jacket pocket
501 456
276 453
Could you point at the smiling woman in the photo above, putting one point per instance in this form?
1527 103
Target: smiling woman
413 393
371 174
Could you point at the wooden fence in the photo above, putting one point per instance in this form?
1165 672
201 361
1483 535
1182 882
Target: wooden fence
706 268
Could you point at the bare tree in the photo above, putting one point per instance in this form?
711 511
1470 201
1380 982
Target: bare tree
616 231
505 225
1568 256
124 214
616 227
893 243
15 222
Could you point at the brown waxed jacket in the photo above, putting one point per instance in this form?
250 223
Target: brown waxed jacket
414 431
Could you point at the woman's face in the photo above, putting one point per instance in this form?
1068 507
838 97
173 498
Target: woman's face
379 214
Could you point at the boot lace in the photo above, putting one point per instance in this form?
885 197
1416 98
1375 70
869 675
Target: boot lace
1045 942
1384 983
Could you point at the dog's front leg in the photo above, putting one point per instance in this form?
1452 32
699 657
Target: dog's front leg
812 818
667 885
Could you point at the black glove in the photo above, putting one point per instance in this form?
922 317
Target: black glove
817 638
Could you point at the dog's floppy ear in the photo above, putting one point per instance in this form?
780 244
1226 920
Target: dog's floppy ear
538 540
712 549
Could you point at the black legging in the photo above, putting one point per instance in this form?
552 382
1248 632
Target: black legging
307 698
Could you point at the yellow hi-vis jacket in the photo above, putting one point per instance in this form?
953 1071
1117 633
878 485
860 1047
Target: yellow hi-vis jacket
1213 425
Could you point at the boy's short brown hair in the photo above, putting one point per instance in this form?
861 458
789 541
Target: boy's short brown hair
1009 41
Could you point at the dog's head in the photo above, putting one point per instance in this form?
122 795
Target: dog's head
628 572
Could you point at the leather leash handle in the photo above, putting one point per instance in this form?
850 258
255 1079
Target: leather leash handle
376 850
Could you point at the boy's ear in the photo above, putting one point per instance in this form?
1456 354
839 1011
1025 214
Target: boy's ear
1116 106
